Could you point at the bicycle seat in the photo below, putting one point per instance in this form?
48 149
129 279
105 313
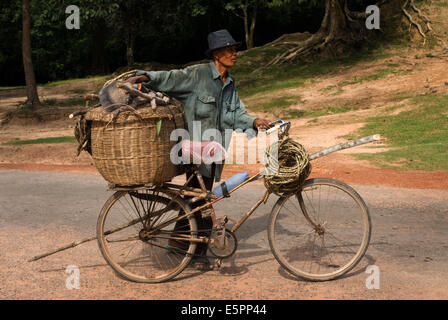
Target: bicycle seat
206 152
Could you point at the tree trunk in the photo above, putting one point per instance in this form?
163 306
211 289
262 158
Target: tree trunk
130 42
98 41
30 78
250 44
340 28
246 23
339 25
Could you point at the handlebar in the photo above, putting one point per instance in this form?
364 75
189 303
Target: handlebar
279 125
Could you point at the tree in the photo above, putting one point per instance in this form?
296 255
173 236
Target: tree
339 29
130 17
246 10
94 15
30 78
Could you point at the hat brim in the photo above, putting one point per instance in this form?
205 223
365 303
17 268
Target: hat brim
209 52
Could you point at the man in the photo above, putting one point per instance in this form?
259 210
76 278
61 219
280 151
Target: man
209 95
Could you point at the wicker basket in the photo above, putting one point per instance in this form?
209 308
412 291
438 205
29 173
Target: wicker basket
127 150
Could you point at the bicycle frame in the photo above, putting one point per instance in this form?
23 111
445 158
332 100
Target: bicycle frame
210 199
202 193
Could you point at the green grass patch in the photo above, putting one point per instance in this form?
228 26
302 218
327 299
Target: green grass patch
73 81
402 96
300 73
277 103
11 88
418 137
41 141
295 113
63 103
78 91
379 74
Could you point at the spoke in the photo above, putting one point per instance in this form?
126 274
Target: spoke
348 245
318 212
123 240
136 207
311 204
329 254
130 216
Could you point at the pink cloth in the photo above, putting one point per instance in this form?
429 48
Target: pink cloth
202 152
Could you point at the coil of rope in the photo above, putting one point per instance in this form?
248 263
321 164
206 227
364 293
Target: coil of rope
287 166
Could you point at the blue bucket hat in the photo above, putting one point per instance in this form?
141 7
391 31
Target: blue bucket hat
220 39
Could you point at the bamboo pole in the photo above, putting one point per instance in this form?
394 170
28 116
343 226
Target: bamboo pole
78 242
345 145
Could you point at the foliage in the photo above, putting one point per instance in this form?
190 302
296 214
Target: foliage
41 141
169 31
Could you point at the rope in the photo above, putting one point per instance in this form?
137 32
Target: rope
286 172
82 134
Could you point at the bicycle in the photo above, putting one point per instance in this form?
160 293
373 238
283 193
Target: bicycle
318 233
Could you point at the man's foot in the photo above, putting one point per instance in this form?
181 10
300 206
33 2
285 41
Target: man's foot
201 263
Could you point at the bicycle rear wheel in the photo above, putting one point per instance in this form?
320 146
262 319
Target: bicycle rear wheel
322 232
133 230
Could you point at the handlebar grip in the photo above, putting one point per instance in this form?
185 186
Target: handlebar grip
273 129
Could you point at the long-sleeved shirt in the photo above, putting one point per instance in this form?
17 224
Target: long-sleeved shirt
206 100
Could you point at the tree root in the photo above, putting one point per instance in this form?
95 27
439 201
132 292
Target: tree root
421 16
413 22
301 49
328 36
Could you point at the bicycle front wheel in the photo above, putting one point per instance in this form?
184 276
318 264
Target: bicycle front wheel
133 231
321 232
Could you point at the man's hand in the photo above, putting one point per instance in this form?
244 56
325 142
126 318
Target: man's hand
137 79
262 124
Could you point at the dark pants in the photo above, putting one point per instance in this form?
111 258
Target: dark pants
202 223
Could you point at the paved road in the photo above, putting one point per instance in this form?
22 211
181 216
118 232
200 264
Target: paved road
43 210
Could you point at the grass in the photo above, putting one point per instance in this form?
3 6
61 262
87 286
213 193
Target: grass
283 76
418 138
73 81
41 141
279 102
12 88
63 103
295 113
379 74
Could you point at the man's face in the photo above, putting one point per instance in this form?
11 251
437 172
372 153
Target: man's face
226 56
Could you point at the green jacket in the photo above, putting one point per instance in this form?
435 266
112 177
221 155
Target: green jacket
207 100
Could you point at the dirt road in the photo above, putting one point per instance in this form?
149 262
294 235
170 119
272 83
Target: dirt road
43 210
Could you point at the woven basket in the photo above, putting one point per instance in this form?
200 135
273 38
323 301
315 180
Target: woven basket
127 150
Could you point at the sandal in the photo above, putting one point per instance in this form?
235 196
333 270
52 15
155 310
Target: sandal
201 263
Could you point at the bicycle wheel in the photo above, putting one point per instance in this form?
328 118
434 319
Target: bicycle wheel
133 230
321 232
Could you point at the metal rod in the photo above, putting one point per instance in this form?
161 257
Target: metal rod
249 213
239 186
